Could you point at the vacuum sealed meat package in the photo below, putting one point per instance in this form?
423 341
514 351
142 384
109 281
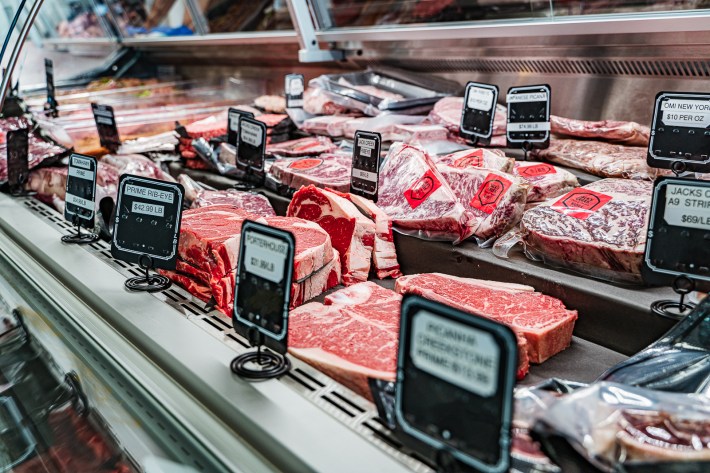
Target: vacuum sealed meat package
627 133
546 181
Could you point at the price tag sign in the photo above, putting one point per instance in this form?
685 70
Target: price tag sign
294 85
454 388
680 132
678 242
106 126
364 179
81 189
233 117
51 94
528 116
263 283
147 221
479 110
17 165
252 143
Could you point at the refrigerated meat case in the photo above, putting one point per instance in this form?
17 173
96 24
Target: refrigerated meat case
603 60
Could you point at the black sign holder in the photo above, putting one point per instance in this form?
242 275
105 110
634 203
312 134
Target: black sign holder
147 228
90 194
670 245
233 116
17 161
51 105
251 150
463 422
261 304
529 112
478 117
294 86
365 174
106 126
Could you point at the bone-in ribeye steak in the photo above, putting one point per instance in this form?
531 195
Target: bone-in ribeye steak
351 233
418 199
599 229
546 181
352 337
326 171
209 248
543 322
628 133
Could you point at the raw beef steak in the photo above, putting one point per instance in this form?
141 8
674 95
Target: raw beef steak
411 133
351 233
271 103
326 171
418 199
546 181
601 159
447 112
136 164
317 102
385 125
477 158
495 199
352 337
311 146
599 229
627 133
543 321
384 253
329 125
251 202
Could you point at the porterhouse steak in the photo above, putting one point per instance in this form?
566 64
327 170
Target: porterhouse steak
543 324
599 229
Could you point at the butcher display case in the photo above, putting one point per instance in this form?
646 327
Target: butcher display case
154 369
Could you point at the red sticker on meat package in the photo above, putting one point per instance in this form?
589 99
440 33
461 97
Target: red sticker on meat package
581 203
490 193
535 170
474 160
305 164
422 189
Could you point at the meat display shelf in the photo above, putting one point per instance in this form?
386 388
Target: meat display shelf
614 316
283 420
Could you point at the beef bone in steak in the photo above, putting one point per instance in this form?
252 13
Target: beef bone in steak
351 233
209 248
599 229
418 199
384 253
495 199
352 337
447 112
546 181
326 171
601 159
543 324
477 158
627 133
310 146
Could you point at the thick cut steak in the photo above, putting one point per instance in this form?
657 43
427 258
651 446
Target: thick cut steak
543 323
384 253
447 112
329 125
418 199
477 158
599 229
311 146
251 202
495 199
352 337
601 159
209 248
627 133
546 181
351 233
326 171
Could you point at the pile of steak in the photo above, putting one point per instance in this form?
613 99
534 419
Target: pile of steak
495 199
627 133
601 159
418 199
271 103
599 229
311 146
209 248
351 233
207 128
546 181
40 150
253 203
353 336
477 158
543 324
326 171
